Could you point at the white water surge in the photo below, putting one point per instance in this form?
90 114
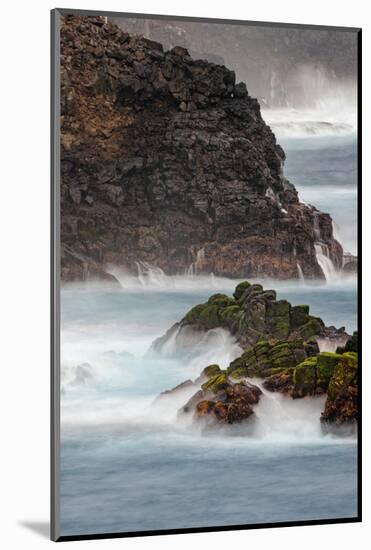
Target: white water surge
127 449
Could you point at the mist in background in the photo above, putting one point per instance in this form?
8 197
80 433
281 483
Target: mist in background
282 67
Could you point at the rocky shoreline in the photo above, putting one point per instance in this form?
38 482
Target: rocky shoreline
280 351
167 161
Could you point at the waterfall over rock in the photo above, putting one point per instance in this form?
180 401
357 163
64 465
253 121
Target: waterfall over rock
325 262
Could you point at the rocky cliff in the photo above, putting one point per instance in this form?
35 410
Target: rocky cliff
166 161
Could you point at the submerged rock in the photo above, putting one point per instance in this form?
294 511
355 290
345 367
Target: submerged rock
167 160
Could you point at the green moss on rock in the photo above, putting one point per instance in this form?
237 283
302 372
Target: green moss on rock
221 300
240 289
326 363
299 315
211 370
216 383
304 377
312 328
344 372
239 373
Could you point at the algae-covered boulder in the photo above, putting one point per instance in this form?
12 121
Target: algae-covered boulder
268 357
326 363
216 383
253 315
304 378
313 327
341 407
221 300
309 377
211 370
299 315
240 289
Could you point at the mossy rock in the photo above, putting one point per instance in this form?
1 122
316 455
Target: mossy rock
280 327
266 373
344 373
209 317
269 295
326 363
230 315
239 373
240 289
262 348
211 370
299 315
221 300
193 314
304 378
253 290
216 383
312 328
281 308
281 355
279 349
246 361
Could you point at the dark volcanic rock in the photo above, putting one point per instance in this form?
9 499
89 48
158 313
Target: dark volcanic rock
341 407
166 160
222 400
253 316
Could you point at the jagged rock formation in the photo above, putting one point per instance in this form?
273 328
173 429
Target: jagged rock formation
166 160
251 315
221 399
280 347
286 66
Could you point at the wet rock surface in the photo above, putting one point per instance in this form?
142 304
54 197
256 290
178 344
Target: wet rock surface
254 314
166 160
222 400
293 366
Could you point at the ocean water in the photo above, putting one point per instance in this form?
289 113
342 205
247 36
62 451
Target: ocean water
324 171
129 463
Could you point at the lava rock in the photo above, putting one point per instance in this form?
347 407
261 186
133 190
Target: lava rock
158 144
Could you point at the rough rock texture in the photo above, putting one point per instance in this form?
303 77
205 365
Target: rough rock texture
221 400
309 377
278 77
252 315
268 358
342 401
166 160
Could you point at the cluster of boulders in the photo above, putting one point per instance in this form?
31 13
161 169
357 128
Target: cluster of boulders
252 314
164 156
290 363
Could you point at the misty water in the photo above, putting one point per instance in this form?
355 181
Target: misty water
129 464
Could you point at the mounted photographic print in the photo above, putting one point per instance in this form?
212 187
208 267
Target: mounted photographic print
206 322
